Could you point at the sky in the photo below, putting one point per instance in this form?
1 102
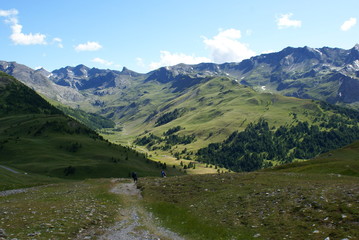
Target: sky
143 35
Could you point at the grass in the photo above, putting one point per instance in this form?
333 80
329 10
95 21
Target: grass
50 151
343 161
58 211
269 205
214 109
38 138
258 205
304 200
160 156
10 180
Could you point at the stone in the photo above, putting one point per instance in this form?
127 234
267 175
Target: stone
2 233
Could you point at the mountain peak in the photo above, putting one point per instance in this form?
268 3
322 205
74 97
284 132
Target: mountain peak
356 47
353 54
81 66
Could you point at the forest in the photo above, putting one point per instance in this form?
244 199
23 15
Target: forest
259 145
169 139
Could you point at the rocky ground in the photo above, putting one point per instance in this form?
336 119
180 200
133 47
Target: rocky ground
94 209
135 223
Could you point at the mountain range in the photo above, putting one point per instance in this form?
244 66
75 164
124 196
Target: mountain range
328 74
180 109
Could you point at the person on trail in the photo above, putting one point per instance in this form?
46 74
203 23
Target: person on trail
134 176
163 174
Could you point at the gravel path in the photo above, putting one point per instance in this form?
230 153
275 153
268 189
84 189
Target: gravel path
21 190
14 191
136 223
9 169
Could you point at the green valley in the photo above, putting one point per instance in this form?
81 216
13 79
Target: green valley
212 119
185 113
38 138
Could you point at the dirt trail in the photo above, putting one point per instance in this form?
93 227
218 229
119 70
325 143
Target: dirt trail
135 222
15 191
9 169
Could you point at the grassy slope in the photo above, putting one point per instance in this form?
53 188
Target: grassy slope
274 205
304 200
248 205
213 110
59 211
36 137
344 161
10 180
50 152
218 107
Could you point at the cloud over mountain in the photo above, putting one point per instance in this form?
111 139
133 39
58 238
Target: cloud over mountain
169 59
226 47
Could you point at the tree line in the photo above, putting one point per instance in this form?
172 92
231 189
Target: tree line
250 149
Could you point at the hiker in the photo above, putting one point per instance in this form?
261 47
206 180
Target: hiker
134 176
163 174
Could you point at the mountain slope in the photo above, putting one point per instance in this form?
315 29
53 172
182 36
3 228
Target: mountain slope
39 80
256 205
343 161
38 138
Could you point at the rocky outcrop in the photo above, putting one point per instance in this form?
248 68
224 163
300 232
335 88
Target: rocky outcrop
37 80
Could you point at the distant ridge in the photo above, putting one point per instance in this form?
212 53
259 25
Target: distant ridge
328 74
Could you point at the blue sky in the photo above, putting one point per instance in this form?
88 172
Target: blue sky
143 35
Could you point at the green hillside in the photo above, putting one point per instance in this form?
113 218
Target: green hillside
178 120
256 205
343 161
210 110
202 112
314 199
37 138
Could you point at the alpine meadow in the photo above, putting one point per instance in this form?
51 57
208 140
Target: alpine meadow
233 145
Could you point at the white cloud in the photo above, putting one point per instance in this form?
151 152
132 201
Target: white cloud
102 61
89 46
8 13
284 21
225 47
58 41
20 38
170 59
17 36
348 24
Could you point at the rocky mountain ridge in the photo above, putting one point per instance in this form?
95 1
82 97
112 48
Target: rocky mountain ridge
39 81
328 74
